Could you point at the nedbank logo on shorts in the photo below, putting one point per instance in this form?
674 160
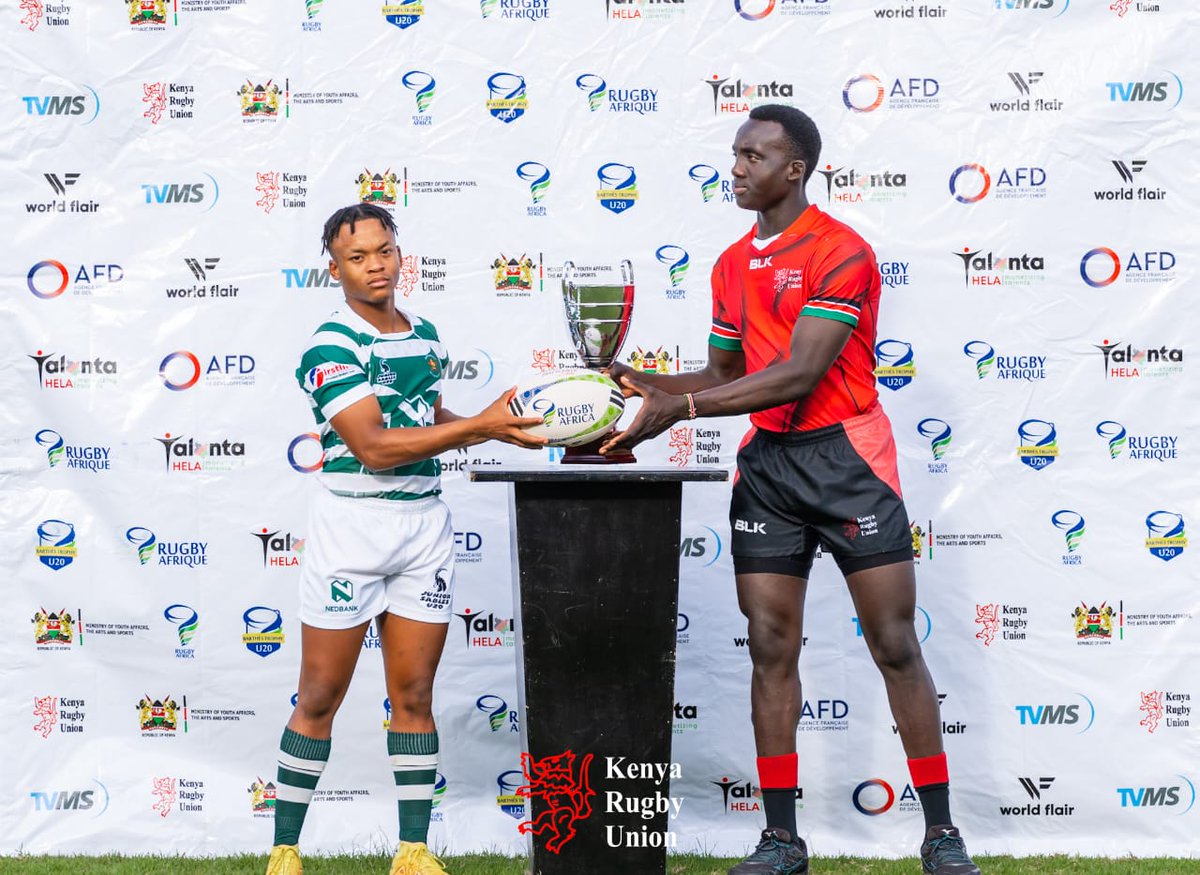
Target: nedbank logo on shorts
438 598
341 591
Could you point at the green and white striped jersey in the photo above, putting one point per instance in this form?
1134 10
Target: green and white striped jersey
348 360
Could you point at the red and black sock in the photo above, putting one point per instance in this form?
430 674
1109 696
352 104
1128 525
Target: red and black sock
778 777
931 780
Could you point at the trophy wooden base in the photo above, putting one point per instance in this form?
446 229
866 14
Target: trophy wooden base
589 454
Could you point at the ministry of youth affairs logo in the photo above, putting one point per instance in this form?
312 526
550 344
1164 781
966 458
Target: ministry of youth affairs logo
507 100
618 187
1165 535
896 367
264 630
1038 443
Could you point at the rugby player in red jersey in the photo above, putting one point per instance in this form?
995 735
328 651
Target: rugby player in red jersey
795 303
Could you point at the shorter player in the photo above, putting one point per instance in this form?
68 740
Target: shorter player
381 544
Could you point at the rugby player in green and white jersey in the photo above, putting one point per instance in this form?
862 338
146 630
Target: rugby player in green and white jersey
380 542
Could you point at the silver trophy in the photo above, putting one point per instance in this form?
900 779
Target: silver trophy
598 304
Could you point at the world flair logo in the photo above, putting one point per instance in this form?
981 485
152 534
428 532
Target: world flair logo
1071 524
1038 447
56 544
896 367
1165 535
264 630
618 190
507 100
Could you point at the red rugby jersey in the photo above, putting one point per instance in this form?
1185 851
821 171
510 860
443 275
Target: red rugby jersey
818 267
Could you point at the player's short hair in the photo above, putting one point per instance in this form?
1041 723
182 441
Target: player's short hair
352 215
800 130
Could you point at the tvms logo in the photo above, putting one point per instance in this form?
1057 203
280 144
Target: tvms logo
1165 91
474 372
1053 8
93 800
704 548
1075 715
60 183
498 714
984 268
486 630
738 96
618 187
1127 172
1144 447
599 96
1180 795
203 194
83 105
507 100
896 366
308 278
866 92
850 186
876 796
538 177
187 454
711 185
1071 524
182 370
1038 443
280 549
1028 367
49 279
1126 362
971 183
1165 535
1101 266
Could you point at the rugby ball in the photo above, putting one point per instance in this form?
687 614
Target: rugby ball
576 405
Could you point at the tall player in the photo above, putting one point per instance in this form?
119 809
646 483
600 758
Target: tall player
380 542
795 302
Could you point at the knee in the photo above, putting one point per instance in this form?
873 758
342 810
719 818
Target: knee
411 700
317 701
895 648
773 642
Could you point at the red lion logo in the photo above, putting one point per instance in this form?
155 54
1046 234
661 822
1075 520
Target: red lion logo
568 795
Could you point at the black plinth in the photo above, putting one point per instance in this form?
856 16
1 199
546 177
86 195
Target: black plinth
597 579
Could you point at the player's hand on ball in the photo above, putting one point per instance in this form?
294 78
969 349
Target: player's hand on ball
498 423
659 412
617 371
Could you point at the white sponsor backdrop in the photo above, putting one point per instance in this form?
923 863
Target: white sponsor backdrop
162 272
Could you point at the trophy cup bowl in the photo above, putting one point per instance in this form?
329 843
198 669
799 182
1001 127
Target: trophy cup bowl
598 305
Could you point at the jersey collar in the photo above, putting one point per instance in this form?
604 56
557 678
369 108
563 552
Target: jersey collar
803 224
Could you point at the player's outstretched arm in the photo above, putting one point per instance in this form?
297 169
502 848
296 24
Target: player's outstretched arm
361 426
815 345
724 366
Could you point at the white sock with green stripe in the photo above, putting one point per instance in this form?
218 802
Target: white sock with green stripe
414 765
301 761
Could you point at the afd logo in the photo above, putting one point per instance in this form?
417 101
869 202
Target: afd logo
876 796
1079 715
174 194
308 278
1167 90
706 549
94 801
73 105
1173 796
1101 266
866 91
182 370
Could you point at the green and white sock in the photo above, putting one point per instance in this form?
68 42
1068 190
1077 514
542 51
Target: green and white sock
301 762
414 765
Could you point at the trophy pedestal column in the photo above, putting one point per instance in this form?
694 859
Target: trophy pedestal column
596 597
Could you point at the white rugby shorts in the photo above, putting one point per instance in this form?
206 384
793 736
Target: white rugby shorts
365 556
